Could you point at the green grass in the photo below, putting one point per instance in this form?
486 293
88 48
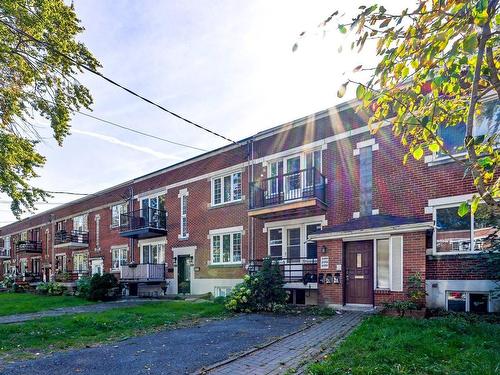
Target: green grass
18 303
384 345
78 330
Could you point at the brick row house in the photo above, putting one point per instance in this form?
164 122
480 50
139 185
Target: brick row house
331 202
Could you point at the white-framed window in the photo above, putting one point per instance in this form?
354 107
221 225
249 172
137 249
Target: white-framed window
61 263
153 253
6 267
222 291
23 265
6 245
24 236
226 189
475 302
116 214
226 248
80 223
389 263
119 257
455 234
290 241
184 208
80 262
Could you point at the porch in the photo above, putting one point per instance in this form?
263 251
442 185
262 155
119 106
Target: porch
298 273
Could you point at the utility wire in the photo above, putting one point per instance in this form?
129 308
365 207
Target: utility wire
139 132
66 192
93 71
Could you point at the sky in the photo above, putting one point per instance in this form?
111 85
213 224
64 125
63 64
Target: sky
226 64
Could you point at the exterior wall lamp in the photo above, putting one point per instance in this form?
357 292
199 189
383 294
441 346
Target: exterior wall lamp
323 249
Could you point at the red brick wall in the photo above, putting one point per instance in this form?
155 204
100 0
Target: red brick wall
459 267
331 293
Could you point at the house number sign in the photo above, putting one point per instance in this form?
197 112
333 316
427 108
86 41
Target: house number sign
324 263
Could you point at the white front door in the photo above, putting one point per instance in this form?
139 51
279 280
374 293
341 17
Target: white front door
97 266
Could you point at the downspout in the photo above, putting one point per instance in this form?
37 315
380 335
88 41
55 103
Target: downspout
53 257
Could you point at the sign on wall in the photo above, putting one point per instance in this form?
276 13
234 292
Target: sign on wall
324 263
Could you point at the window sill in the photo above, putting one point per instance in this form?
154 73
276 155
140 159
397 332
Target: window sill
457 255
227 265
183 238
432 160
226 204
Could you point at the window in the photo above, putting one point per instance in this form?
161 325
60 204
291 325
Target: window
6 268
116 214
80 262
80 223
153 211
226 248
97 220
293 243
23 266
455 233
35 266
60 263
475 302
24 236
153 254
312 246
6 245
119 257
184 220
276 242
226 189
389 263
222 291
59 226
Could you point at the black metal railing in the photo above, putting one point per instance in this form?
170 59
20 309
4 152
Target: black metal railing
143 218
304 270
306 183
73 236
4 253
29 246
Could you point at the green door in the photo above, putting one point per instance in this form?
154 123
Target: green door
183 274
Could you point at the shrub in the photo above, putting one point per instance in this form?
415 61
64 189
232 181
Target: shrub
416 289
260 292
103 288
83 287
220 300
8 281
51 289
401 306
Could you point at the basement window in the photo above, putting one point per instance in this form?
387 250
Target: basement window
475 302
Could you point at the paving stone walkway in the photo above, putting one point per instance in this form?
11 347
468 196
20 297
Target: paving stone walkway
98 307
294 351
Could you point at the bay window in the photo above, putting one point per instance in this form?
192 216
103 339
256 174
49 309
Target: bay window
226 189
226 248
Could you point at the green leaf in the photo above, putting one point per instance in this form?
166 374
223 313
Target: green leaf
434 147
474 203
360 92
341 91
342 29
470 43
418 153
463 209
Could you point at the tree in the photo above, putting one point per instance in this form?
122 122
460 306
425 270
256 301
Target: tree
436 65
39 60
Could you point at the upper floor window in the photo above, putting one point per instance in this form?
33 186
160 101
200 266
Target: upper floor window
80 223
24 236
455 233
226 189
184 221
116 213
59 226
226 248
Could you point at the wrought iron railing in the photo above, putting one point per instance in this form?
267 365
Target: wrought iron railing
73 236
306 183
29 246
144 218
303 270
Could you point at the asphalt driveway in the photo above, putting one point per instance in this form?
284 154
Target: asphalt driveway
177 351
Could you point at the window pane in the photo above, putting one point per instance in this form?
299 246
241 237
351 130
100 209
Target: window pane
226 248
275 242
397 256
456 301
154 254
236 247
237 186
453 137
452 231
145 254
227 188
383 264
478 303
486 225
216 249
217 191
488 122
312 247
293 243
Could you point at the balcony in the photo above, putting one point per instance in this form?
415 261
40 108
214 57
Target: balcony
143 272
297 272
288 193
29 246
71 276
144 223
4 253
73 239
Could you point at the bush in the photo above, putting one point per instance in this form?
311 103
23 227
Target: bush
260 292
83 287
220 300
8 281
103 288
401 306
51 289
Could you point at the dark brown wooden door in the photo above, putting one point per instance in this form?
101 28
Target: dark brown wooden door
359 272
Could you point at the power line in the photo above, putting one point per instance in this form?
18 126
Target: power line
93 71
139 132
66 192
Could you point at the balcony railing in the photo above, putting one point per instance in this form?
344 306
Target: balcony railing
73 237
4 253
71 276
303 184
143 272
303 270
29 246
143 223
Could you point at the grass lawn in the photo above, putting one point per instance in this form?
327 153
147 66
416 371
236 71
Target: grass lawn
78 330
18 303
385 345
